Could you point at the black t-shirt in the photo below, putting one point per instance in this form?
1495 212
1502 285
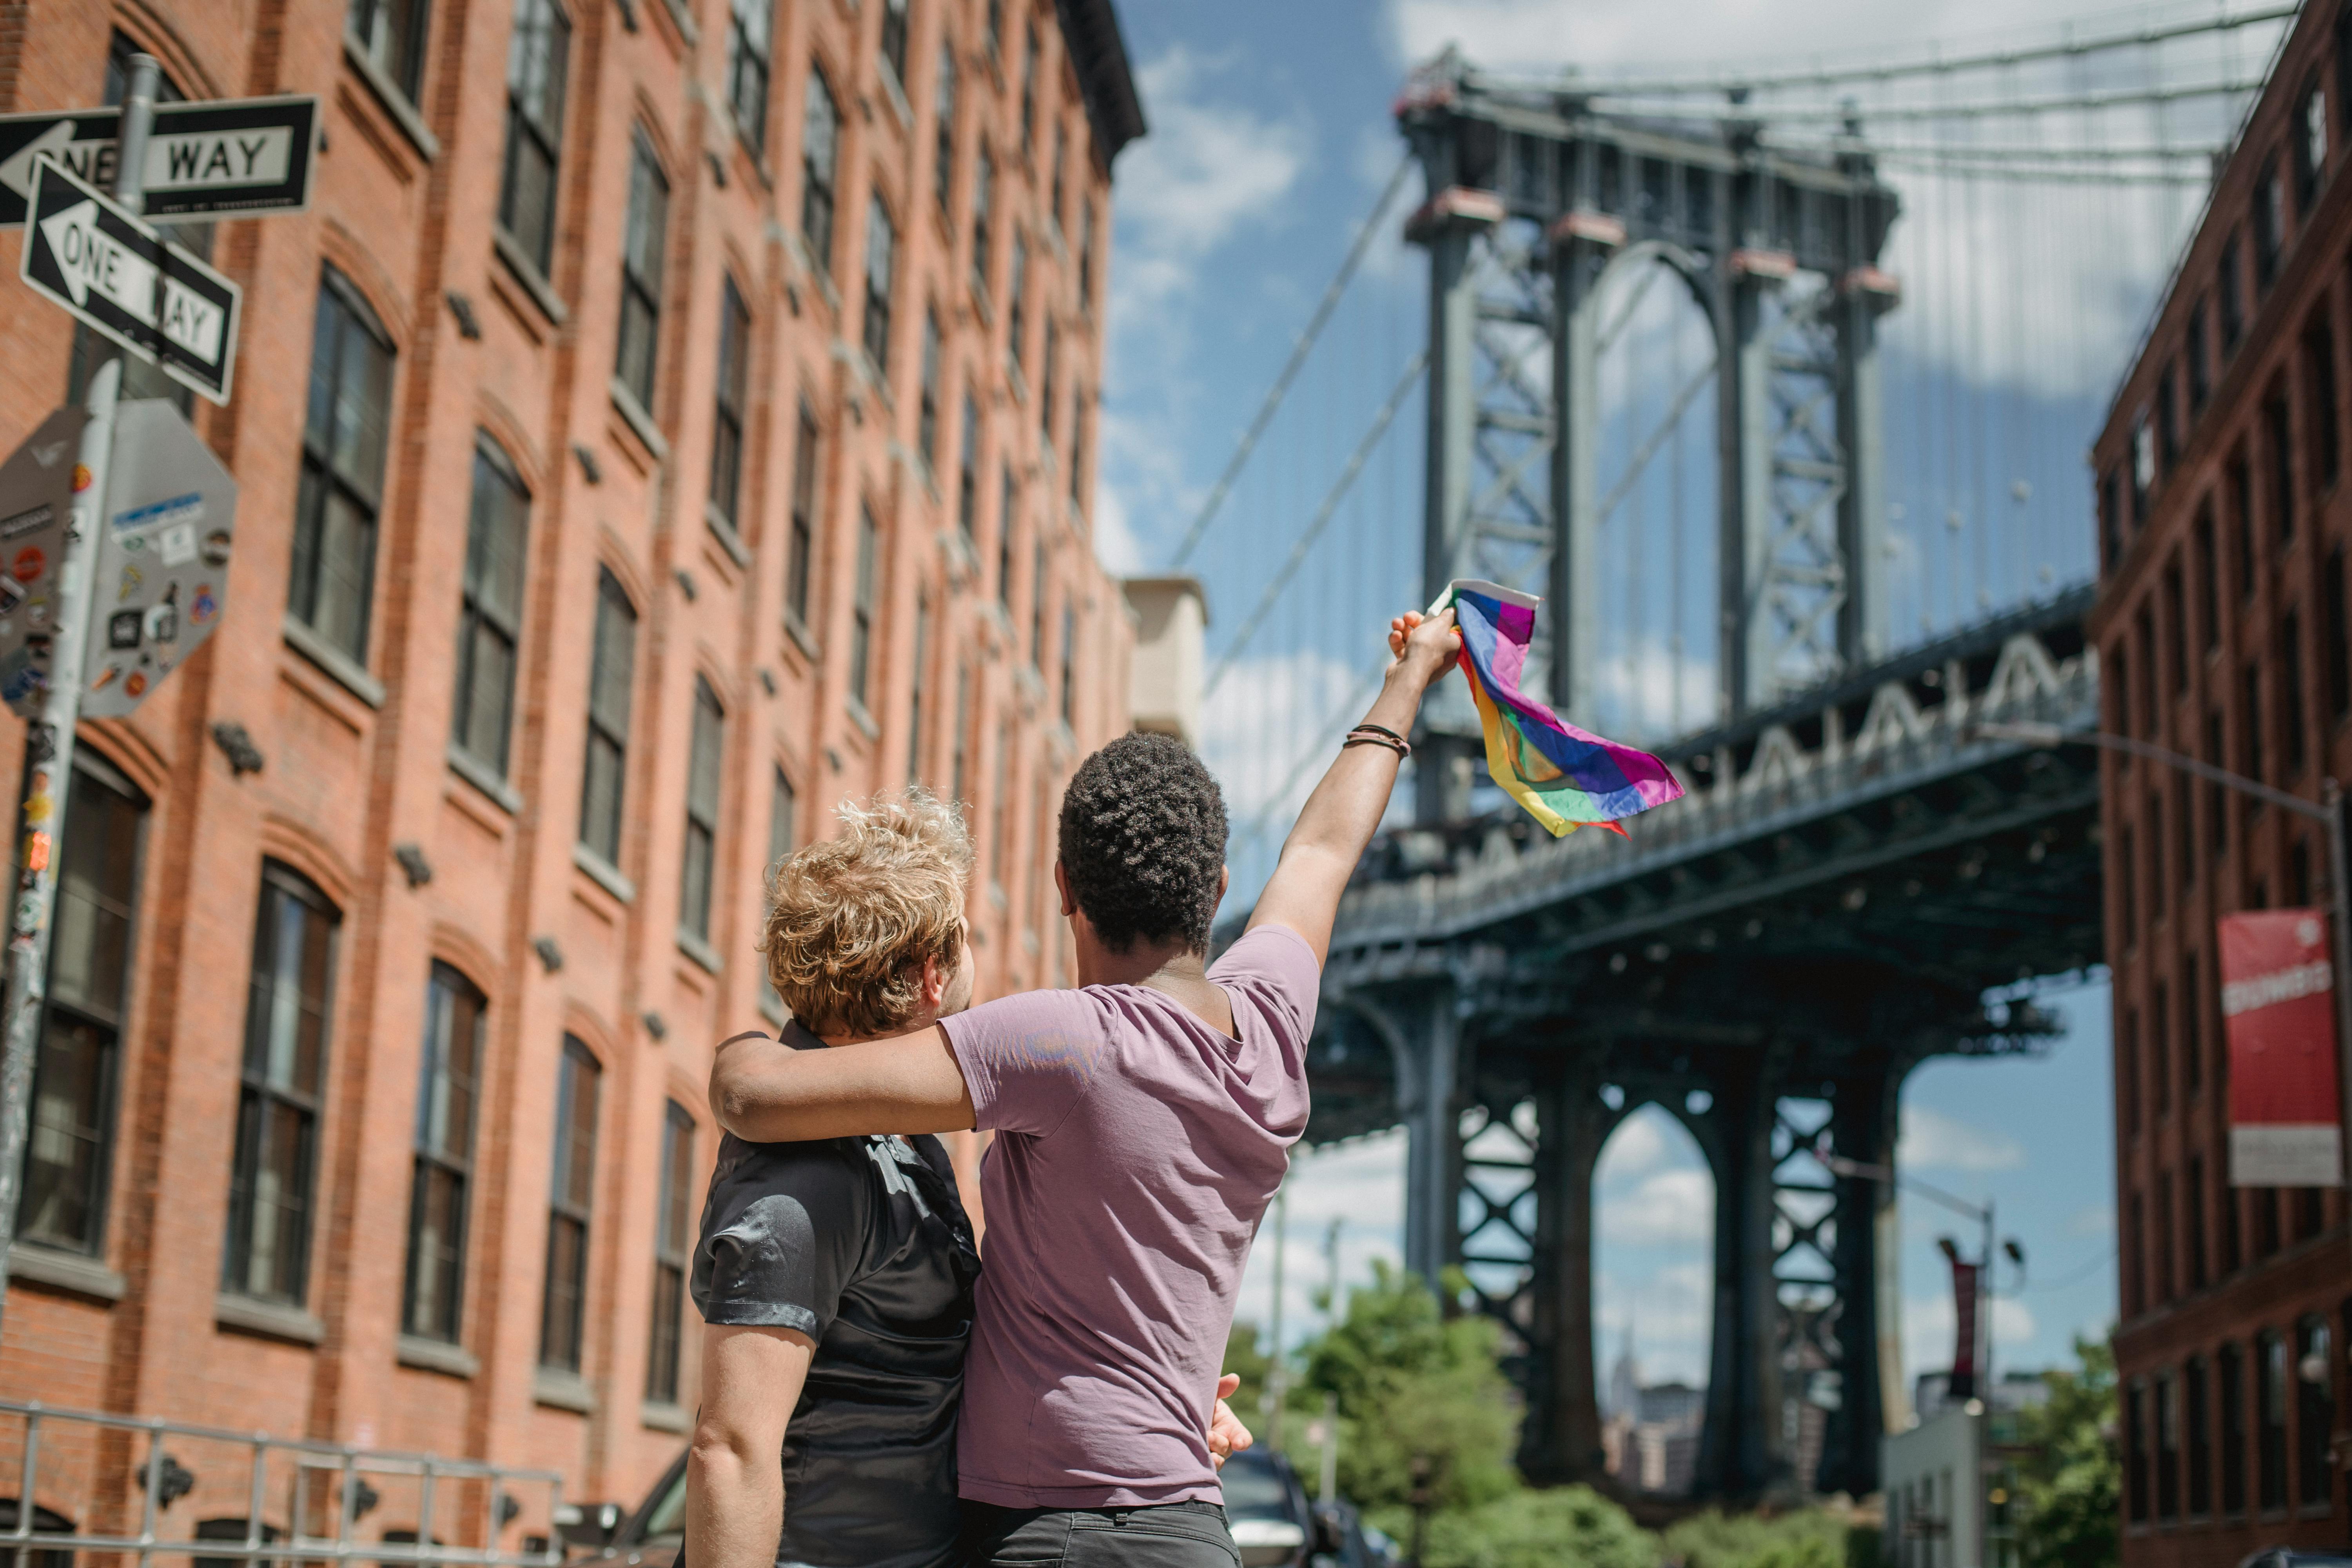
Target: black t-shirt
862 1245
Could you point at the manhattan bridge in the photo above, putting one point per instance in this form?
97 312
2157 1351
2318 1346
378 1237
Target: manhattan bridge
1777 384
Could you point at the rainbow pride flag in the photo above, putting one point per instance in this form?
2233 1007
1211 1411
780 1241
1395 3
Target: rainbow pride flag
1565 778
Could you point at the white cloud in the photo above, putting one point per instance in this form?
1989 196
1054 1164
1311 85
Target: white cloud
1934 1141
1669 1206
1209 166
1263 718
1115 546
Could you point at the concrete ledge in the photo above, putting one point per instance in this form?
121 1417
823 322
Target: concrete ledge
560 1390
640 422
726 534
432 1355
349 672
67 1271
606 875
269 1320
391 100
526 272
663 1416
701 952
484 777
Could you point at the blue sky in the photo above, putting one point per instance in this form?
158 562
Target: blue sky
1270 136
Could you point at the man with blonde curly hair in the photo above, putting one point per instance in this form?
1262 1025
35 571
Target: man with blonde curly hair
834 1275
1142 1122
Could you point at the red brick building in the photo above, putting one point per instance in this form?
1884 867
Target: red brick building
2222 632
671 417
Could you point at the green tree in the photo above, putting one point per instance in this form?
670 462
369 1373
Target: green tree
2070 1478
1809 1538
1245 1361
1413 1383
1561 1527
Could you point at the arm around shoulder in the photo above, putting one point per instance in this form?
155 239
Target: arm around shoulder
766 1092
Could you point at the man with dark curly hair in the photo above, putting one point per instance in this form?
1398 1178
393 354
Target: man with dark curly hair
1142 1122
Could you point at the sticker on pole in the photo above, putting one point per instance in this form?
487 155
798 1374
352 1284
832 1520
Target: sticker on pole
128 281
244 155
2278 1003
163 555
39 483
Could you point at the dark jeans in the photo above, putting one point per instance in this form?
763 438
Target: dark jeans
1167 1535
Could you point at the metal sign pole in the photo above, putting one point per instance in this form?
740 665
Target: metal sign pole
49 740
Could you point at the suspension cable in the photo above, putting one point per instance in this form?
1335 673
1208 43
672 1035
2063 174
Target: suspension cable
1298 352
1323 515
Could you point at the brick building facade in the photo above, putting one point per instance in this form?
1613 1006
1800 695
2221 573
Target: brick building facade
2221 625
671 417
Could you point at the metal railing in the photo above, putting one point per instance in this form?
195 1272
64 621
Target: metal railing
300 1499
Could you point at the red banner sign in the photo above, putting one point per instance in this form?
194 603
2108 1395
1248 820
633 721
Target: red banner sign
2278 1003
1965 1277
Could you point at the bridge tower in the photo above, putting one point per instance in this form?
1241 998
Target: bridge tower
1538 201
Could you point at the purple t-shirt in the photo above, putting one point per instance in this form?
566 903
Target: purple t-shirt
1135 1151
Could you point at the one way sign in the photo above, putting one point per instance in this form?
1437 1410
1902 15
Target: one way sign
204 160
118 274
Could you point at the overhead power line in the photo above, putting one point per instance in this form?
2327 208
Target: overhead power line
1825 76
1298 352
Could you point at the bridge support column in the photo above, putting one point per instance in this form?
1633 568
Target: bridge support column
1560 1439
1861 511
1743 1448
1575 585
1429 1078
1743 404
1869 1386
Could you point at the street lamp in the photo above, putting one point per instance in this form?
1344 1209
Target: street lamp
2328 811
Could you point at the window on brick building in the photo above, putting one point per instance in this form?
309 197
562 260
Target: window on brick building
881 268
927 420
750 29
2197 359
782 838
448 1076
2315 1410
2168 420
2111 538
1058 189
2152 680
1087 254
993 31
2114 667
643 243
2159 1068
1069 660
2311 145
2293 720
820 147
611 676
2265 1199
2335 630
1040 853
943 101
673 1251
2135 1444
2320 412
1028 89
2143 468
2298 896
894 40
2168 1447
2242 502
345 437
1037 609
2208 581
1000 814
959 742
968 471
275 1171
489 614
1078 445
2217 795
2231 1240
2230 290
2127 1078
2269 223
2176 627
984 192
732 402
2192 1202
800 549
706 764
2193 1023
1006 497
915 692
2128 892
572 1189
863 608
391 34
538 52
1016 312
2197 1412
2271 1380
1046 366
2251 726
2231 1364
70 1150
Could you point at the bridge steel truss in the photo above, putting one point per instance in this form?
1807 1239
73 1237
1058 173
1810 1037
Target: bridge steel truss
1538 202
1849 875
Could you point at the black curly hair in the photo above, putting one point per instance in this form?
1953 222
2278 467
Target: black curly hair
1143 842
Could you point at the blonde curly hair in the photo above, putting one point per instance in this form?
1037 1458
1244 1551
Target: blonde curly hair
850 921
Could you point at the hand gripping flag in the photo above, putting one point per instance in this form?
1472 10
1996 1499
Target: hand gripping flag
1565 778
